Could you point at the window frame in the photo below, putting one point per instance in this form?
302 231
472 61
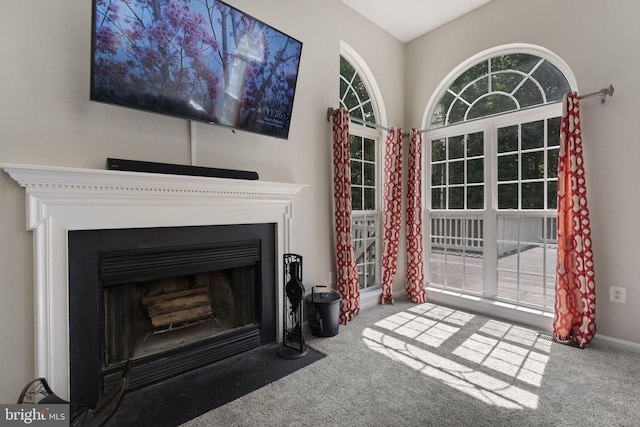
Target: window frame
375 133
489 125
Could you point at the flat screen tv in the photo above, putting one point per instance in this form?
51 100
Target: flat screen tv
201 60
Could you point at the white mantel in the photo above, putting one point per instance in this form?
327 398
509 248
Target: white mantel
63 199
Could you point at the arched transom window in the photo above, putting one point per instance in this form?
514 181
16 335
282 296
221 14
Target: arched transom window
498 85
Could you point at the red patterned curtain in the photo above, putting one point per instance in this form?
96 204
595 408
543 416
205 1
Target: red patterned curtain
347 275
415 263
575 305
392 212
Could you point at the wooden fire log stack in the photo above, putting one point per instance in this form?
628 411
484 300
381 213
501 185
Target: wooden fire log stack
179 307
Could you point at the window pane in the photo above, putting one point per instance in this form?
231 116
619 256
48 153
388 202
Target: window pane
533 195
372 229
441 109
457 112
553 132
532 135
529 94
475 170
492 104
475 197
475 90
508 139
369 150
552 195
515 61
369 174
533 165
438 151
552 163
456 198
356 147
531 233
438 198
506 81
552 80
356 196
456 147
369 199
369 115
470 75
438 174
356 173
507 196
508 167
456 172
475 144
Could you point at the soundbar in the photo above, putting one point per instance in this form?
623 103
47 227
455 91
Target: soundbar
174 169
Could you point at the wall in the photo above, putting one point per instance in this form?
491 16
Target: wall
596 40
46 118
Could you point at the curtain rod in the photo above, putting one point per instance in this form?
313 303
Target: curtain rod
332 111
602 92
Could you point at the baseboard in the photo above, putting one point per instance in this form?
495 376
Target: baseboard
617 343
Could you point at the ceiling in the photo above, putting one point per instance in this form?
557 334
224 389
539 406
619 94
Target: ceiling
408 19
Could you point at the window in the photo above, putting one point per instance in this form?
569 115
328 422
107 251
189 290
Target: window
365 171
492 160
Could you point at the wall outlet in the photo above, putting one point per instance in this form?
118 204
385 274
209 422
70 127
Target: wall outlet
617 294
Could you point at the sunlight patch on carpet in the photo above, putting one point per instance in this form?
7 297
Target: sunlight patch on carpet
516 355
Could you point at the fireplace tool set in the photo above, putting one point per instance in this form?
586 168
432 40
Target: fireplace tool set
293 344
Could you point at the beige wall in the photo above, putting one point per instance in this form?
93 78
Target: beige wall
46 118
598 41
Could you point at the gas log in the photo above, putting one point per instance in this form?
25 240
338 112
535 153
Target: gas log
178 307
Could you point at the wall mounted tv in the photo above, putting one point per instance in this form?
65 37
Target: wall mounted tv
201 60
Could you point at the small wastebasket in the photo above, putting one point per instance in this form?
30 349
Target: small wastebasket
323 312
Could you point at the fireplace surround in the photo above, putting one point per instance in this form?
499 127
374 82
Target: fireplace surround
61 200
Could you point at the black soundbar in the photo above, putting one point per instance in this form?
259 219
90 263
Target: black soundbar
173 169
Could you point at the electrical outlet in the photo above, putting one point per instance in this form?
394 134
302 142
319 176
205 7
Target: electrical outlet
618 294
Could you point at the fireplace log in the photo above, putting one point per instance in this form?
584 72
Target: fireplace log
178 307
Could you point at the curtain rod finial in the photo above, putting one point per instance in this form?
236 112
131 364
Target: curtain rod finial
331 112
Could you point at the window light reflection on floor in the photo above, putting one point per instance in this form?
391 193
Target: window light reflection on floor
507 350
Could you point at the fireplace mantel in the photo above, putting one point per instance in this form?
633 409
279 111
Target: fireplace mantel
61 199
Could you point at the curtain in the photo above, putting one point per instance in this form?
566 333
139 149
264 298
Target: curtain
575 303
392 212
346 275
415 262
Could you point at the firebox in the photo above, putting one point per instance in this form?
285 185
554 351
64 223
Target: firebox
172 299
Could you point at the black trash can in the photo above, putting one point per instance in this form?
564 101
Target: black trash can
323 312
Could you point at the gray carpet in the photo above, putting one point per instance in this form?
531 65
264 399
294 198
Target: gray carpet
425 365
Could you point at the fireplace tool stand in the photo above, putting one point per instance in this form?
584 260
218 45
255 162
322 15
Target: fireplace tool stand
293 345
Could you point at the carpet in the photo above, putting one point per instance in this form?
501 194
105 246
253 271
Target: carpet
420 365
175 401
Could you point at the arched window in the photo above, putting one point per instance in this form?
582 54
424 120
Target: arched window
497 85
358 94
492 153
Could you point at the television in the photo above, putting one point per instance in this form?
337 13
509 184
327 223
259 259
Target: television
200 60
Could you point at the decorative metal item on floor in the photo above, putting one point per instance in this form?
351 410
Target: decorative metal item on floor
38 392
293 345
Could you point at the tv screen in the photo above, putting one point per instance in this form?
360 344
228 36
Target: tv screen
200 60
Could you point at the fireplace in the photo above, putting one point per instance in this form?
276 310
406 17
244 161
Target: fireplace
173 299
67 202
